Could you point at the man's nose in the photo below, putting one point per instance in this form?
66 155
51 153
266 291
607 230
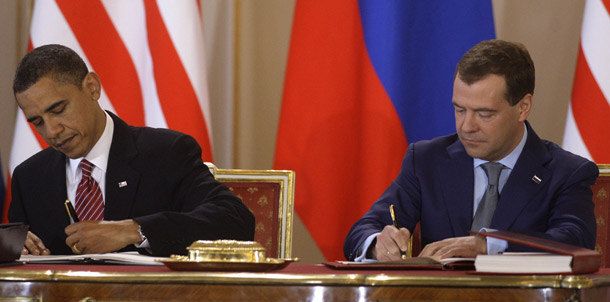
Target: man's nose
53 128
469 123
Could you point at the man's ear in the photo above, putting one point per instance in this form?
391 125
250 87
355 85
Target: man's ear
525 106
92 85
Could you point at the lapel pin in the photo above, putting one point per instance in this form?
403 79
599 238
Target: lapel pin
536 179
123 184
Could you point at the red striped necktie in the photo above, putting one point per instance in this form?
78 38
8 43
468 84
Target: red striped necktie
89 200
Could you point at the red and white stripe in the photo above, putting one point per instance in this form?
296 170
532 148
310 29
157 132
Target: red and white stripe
149 55
588 119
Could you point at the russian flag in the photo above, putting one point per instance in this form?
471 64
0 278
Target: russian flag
363 79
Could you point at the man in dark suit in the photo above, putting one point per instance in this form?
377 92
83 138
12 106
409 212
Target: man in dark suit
543 190
156 193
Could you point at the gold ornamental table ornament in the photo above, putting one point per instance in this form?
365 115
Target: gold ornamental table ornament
225 255
226 250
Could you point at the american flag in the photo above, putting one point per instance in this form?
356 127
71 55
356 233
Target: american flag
149 56
588 119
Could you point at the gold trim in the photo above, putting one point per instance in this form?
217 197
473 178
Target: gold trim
237 45
421 279
21 299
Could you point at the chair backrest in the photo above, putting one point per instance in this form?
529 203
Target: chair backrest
601 198
269 194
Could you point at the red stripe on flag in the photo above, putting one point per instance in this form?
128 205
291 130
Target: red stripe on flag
108 56
176 93
338 128
591 111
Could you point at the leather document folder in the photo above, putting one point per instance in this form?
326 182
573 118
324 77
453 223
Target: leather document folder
12 238
583 260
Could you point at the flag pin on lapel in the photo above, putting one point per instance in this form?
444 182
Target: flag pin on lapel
536 179
123 184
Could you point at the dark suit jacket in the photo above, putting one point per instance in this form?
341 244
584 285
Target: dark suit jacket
170 192
436 185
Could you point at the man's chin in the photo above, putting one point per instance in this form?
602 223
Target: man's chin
73 154
475 153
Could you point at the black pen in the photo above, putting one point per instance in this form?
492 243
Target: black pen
71 211
403 254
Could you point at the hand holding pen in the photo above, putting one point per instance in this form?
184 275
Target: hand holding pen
71 211
403 254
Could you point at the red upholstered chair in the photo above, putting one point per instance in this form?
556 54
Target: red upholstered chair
601 198
269 194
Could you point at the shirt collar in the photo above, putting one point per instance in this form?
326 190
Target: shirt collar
511 159
101 150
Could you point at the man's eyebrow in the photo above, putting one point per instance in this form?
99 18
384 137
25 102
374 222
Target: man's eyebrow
50 108
55 105
485 109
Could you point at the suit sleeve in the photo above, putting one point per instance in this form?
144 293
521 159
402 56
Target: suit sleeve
200 207
571 218
404 192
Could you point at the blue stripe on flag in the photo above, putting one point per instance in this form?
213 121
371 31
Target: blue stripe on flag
414 47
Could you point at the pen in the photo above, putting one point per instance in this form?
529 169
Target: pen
70 210
403 254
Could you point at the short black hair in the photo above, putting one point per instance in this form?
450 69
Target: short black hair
508 59
59 62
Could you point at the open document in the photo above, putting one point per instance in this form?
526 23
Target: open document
413 263
125 258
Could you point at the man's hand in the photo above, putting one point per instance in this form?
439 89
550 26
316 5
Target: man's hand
93 237
33 245
390 242
468 246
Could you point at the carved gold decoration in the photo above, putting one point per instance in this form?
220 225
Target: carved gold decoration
260 227
601 193
600 221
263 201
252 190
224 250
599 249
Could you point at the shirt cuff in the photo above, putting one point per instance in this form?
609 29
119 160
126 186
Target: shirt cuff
365 248
495 245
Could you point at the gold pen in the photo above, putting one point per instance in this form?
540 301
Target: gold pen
403 254
71 211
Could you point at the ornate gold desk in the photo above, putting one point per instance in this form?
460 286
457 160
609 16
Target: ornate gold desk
296 282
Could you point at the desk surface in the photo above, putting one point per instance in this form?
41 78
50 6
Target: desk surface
296 280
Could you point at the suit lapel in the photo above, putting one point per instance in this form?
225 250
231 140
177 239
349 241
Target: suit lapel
457 183
520 187
121 180
56 178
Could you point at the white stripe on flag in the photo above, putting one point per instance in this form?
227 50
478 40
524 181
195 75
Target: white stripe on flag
572 141
183 22
124 15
